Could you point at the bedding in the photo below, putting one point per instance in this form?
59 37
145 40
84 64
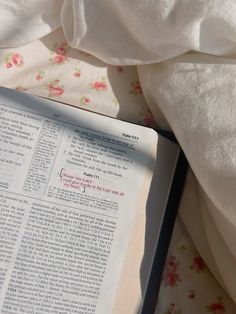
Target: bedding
50 68
185 53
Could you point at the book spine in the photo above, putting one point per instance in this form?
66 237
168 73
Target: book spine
151 296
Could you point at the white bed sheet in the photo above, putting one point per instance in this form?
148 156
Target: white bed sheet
49 68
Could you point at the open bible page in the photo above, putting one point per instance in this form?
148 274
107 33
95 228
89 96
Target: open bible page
70 182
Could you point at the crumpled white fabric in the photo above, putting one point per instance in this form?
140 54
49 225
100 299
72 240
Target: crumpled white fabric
138 32
125 32
192 93
27 20
196 93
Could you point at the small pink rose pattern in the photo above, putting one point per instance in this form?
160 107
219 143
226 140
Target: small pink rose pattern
59 53
136 88
84 100
77 72
172 309
13 59
217 307
99 85
55 89
148 119
40 75
198 264
171 274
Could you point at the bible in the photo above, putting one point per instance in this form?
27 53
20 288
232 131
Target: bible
87 204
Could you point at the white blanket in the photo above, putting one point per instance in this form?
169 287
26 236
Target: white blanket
194 92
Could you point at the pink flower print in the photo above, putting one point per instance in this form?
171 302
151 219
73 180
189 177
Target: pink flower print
58 59
191 294
172 309
61 53
62 49
40 75
217 307
198 264
17 59
77 72
136 88
13 59
54 89
171 275
84 100
99 85
8 65
171 279
148 119
171 264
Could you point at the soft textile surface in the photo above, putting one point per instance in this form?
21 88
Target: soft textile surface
197 95
125 32
137 31
50 68
193 94
26 20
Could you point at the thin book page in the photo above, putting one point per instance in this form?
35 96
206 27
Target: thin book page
68 192
146 229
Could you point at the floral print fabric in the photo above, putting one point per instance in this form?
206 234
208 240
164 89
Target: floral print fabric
187 286
50 68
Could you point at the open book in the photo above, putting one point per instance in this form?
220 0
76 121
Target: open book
82 201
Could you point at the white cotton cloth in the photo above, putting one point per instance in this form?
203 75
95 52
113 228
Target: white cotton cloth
125 32
27 20
197 95
138 31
